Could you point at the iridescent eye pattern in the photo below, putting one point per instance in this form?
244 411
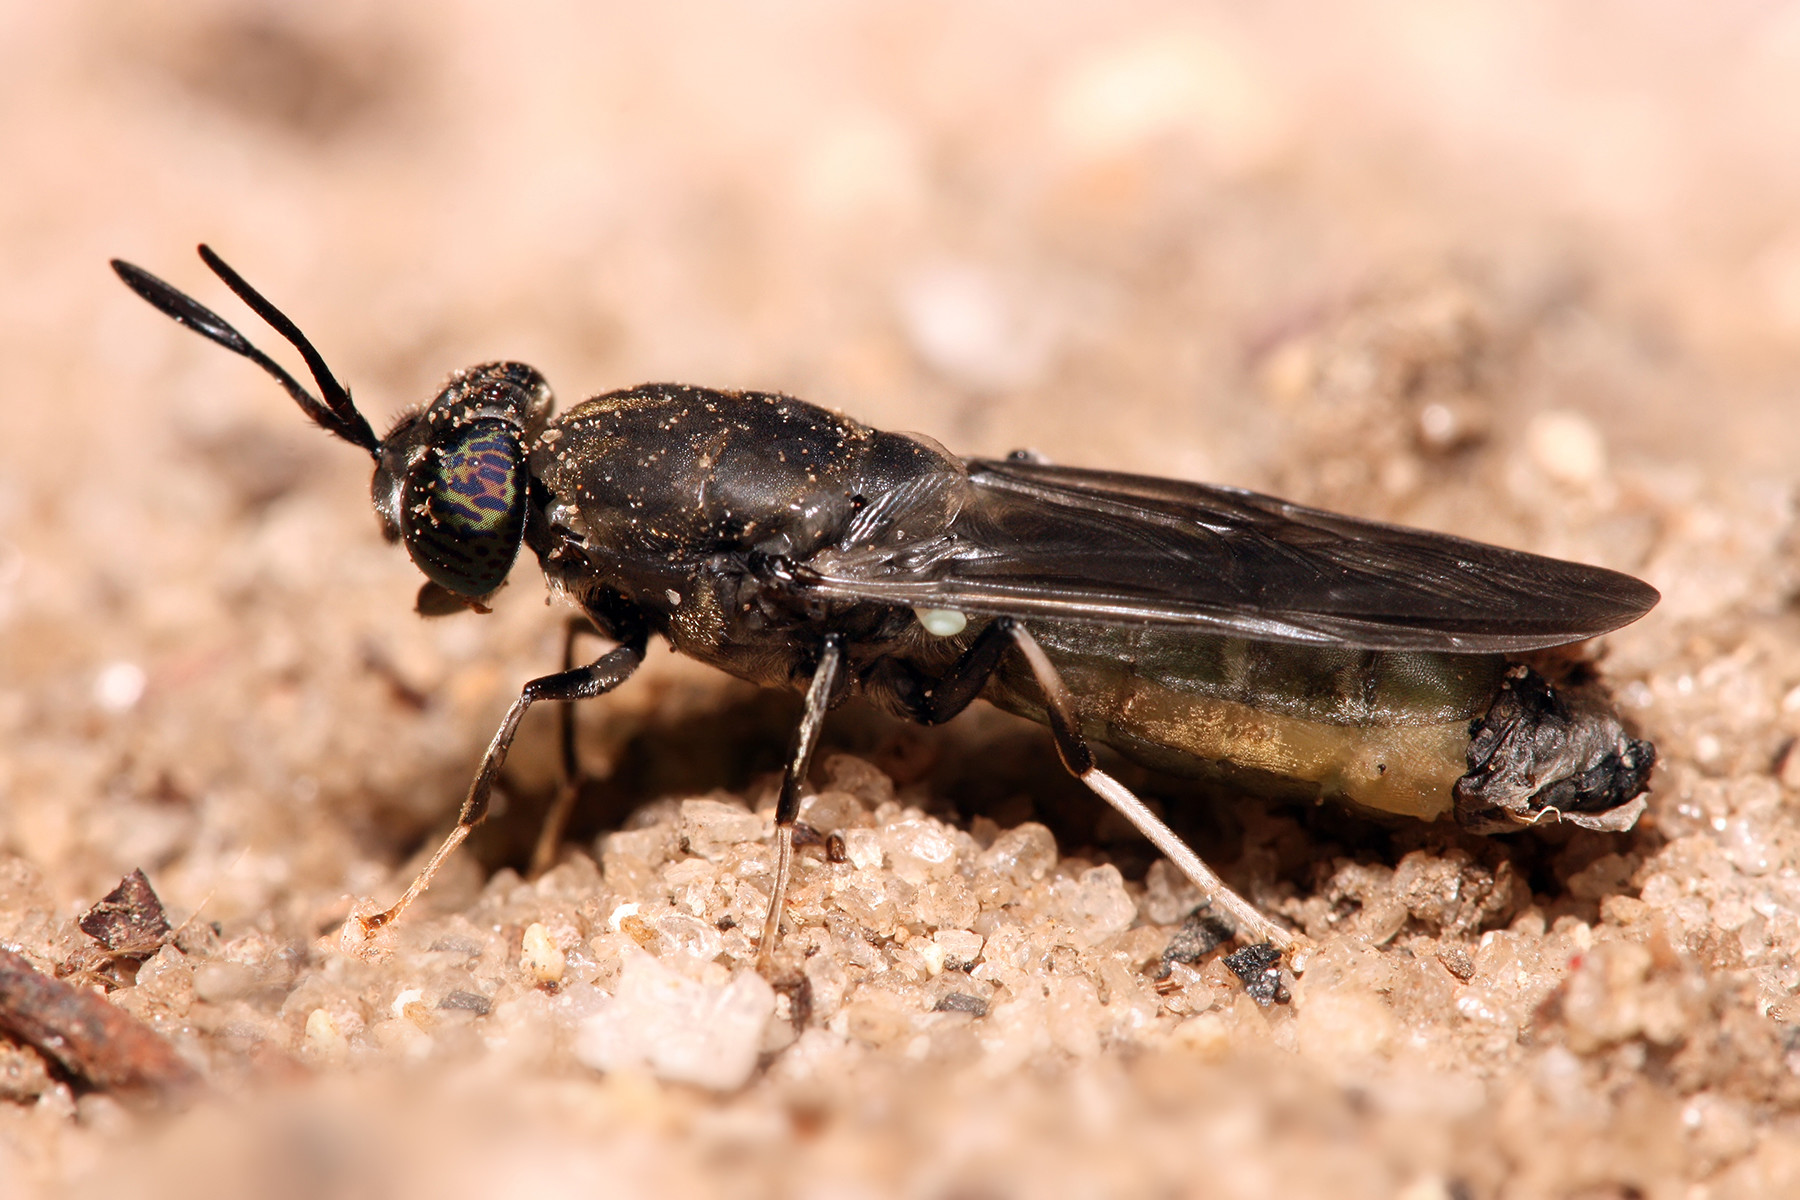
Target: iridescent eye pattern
464 508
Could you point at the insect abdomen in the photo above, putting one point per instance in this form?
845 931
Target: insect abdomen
1385 731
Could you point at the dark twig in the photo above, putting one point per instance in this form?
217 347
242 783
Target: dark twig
92 1040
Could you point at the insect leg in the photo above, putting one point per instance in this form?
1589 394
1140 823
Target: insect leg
568 784
946 697
806 738
583 683
1073 748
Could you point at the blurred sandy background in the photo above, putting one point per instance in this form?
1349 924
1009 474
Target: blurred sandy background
1526 272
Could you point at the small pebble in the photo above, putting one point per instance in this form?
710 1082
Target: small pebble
831 811
711 827
1567 447
862 779
1024 853
1437 425
324 1042
684 1030
1747 847
119 686
960 945
1097 904
863 848
538 956
918 848
934 956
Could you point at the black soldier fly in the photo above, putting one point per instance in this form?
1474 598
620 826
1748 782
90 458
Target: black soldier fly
1193 628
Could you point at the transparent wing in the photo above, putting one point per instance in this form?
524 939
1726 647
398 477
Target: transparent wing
1070 544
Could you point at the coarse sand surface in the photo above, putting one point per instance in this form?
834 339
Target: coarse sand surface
1518 271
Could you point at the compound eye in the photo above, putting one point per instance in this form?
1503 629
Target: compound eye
462 509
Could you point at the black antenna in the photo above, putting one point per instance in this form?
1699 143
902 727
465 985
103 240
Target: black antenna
335 413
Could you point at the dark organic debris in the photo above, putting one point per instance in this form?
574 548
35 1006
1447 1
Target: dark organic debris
90 1038
465 946
962 1002
1259 966
469 1001
129 920
1199 935
1456 960
800 1001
